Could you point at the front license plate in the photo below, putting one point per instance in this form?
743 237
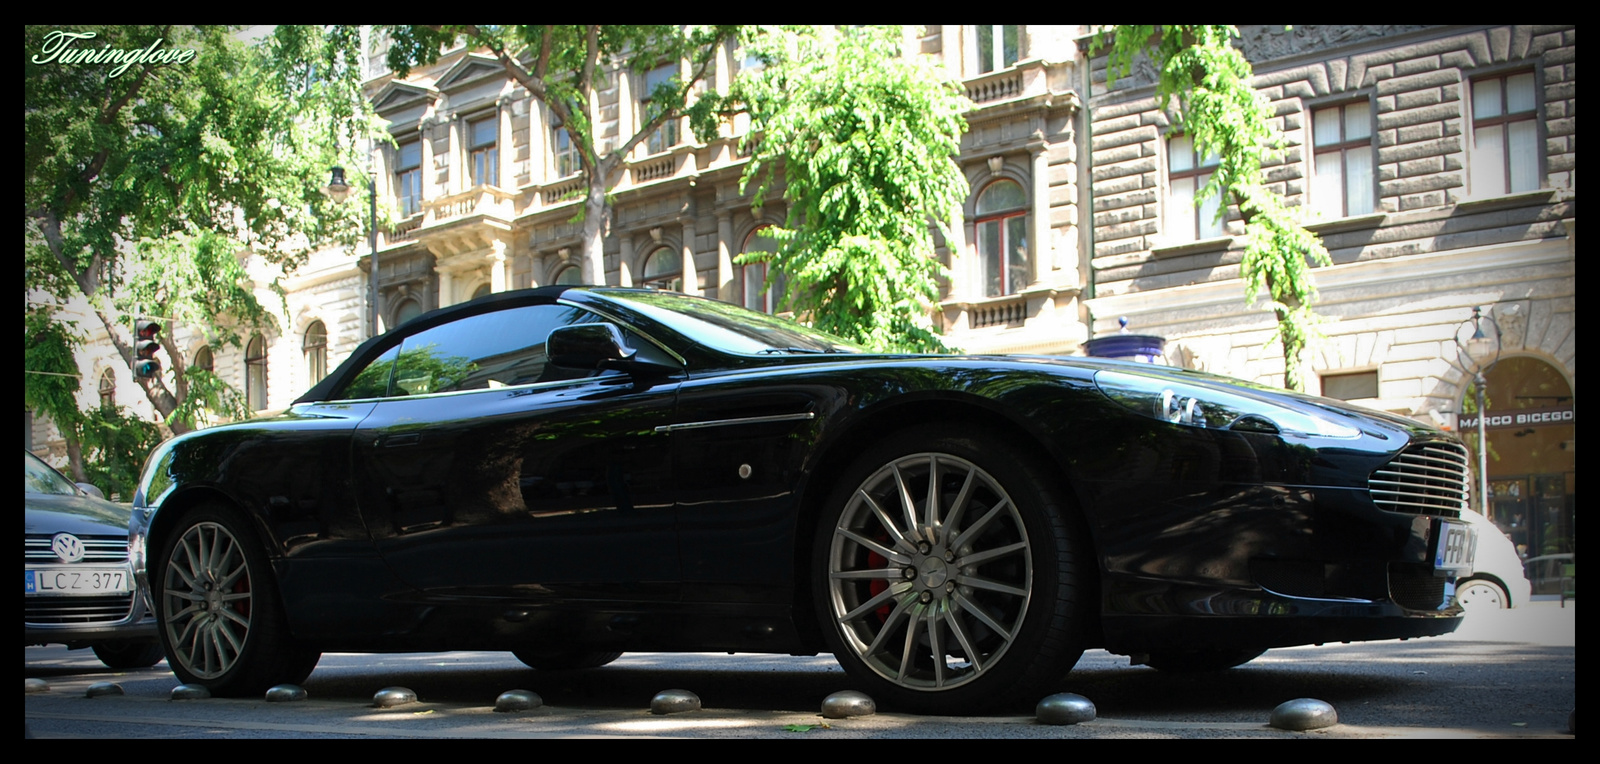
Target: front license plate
72 580
1453 550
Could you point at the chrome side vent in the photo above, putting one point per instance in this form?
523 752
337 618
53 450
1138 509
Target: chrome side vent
1425 479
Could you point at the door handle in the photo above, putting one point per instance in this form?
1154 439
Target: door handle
396 441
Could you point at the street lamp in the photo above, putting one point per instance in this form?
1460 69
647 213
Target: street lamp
1483 350
338 190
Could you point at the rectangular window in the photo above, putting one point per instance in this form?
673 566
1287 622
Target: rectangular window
566 152
1350 387
1342 179
665 136
1505 134
999 46
408 178
484 156
1187 174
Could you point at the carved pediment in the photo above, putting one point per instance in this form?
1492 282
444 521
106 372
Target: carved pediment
397 96
471 70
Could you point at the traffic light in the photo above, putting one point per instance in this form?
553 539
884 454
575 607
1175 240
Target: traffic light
146 364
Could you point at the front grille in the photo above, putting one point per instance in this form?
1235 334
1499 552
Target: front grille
36 548
1425 479
77 611
1415 587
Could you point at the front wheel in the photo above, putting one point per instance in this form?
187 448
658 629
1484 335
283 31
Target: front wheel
218 610
946 575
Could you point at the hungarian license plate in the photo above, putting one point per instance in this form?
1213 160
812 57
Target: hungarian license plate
69 580
1454 548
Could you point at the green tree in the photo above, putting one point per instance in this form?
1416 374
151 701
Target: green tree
865 141
1209 77
144 181
563 66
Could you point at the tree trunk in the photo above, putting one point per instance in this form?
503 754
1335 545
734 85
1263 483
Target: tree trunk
595 212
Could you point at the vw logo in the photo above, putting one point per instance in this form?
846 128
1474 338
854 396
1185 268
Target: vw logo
67 547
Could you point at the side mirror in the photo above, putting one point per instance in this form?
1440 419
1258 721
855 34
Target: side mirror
598 347
92 490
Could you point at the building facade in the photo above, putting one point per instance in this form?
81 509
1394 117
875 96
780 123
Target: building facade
1438 163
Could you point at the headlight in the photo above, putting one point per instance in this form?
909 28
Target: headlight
1213 408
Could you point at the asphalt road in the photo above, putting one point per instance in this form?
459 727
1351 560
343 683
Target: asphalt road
1506 674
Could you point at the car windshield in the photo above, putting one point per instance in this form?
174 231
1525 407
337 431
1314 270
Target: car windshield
41 479
727 327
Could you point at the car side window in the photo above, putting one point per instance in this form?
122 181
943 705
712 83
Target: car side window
373 381
498 349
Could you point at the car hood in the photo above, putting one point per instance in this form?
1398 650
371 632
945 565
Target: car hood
1407 425
81 515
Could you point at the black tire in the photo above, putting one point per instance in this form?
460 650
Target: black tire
564 660
1197 661
218 610
129 655
992 610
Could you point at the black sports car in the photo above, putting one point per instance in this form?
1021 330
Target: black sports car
569 473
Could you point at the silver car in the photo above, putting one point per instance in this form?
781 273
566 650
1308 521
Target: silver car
79 590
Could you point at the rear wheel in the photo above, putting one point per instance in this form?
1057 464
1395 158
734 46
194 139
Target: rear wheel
945 575
218 609
1202 660
564 660
129 655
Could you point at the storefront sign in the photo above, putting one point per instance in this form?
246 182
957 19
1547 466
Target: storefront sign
1518 418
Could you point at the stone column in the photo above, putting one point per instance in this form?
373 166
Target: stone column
429 174
1042 258
726 284
625 260
503 146
447 288
458 166
499 266
691 273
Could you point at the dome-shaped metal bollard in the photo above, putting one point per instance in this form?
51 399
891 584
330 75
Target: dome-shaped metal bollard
285 693
100 689
1303 714
35 684
190 692
848 703
674 701
1064 708
517 700
389 697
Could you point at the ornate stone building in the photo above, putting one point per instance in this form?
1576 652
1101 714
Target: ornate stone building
1439 162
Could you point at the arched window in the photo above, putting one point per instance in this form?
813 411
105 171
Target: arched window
663 269
1002 224
482 290
108 389
316 351
754 293
568 276
407 310
205 359
255 373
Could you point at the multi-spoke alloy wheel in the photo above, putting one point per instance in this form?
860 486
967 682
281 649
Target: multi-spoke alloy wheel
207 595
948 576
220 620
